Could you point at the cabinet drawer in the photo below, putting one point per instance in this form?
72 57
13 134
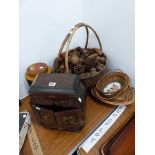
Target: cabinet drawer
71 120
45 116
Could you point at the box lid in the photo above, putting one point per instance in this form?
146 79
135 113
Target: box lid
56 83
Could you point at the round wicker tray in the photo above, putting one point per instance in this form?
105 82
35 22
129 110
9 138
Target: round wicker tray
114 89
125 99
112 84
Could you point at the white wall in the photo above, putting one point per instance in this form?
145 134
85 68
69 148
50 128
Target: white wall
44 24
114 22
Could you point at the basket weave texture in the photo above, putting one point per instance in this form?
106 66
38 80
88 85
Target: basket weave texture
89 63
123 96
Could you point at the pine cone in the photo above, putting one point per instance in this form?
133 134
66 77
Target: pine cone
91 51
92 69
101 59
81 60
76 51
85 51
90 59
93 73
71 67
78 48
99 67
94 64
98 51
79 69
87 68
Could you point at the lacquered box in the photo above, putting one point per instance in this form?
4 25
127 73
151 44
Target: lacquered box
58 101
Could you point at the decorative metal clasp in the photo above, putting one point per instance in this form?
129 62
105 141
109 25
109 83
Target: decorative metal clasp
52 84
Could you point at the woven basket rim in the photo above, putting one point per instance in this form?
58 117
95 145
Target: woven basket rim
114 102
106 79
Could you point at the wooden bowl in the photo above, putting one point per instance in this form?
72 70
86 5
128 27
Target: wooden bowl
35 69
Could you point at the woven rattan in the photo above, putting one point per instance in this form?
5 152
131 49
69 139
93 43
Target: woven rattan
87 79
112 76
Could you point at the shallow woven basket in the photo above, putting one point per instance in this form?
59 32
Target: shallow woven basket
126 98
87 79
113 76
123 96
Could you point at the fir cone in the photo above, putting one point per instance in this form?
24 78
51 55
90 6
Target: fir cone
99 67
86 55
92 69
101 59
98 51
71 51
85 75
93 73
77 51
85 51
90 59
92 56
78 48
71 67
81 60
91 51
79 69
87 68
95 63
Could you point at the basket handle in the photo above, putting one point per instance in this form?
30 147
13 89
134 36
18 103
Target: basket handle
69 34
70 37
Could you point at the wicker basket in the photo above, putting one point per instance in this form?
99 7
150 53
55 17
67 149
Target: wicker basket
87 79
126 98
123 96
116 76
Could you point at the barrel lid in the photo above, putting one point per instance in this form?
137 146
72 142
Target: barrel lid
37 68
31 78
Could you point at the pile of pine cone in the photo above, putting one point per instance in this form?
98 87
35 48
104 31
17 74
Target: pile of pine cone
80 61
